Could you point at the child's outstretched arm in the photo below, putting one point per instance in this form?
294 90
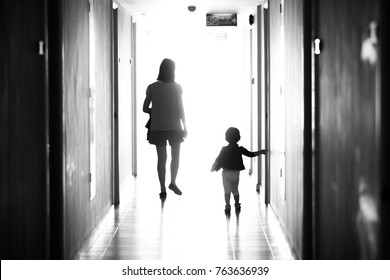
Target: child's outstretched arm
252 154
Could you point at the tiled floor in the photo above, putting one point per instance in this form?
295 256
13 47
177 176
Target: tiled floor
188 227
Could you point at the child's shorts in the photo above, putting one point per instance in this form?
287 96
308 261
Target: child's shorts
160 137
230 179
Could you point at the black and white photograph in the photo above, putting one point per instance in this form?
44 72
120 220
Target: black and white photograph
197 139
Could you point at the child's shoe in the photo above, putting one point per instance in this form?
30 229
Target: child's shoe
163 195
238 207
227 209
175 189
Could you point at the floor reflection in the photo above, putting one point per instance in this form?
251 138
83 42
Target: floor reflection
188 227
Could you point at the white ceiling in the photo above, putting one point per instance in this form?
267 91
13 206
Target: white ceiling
138 7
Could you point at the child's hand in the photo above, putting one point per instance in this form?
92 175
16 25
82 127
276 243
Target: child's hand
262 152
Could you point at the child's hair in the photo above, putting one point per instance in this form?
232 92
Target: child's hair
232 135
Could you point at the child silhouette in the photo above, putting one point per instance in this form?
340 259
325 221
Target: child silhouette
230 160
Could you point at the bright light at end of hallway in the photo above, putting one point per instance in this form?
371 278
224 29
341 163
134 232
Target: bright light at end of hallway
212 65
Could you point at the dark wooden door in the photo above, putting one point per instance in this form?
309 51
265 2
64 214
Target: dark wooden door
23 125
348 129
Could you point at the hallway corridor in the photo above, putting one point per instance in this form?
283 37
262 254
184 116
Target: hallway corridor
305 80
191 227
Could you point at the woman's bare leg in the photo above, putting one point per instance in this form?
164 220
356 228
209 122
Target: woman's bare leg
161 162
175 160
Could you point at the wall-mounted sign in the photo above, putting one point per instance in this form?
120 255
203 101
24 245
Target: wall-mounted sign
221 20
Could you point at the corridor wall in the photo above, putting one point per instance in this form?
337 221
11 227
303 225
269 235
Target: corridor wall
340 210
124 96
48 209
80 213
286 118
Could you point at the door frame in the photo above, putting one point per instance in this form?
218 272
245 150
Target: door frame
134 99
267 83
310 157
114 100
55 103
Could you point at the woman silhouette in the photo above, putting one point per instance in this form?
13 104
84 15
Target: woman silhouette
167 121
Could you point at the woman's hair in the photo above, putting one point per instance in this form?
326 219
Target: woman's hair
167 71
232 135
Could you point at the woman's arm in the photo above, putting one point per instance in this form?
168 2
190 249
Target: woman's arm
147 101
182 113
